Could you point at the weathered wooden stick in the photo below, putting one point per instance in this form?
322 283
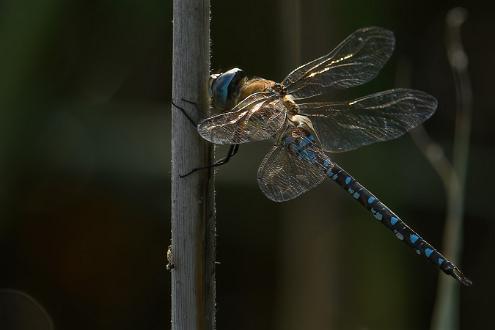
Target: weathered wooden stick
193 207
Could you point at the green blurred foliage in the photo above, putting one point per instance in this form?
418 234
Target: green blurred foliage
84 165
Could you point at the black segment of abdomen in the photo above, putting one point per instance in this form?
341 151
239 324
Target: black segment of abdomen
388 218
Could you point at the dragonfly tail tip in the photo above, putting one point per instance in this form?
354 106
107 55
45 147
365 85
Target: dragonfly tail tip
461 278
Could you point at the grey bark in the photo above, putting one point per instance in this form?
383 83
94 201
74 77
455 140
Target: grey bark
193 209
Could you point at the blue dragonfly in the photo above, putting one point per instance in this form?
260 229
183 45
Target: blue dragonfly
258 109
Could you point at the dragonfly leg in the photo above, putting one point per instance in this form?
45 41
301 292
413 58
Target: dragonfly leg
184 112
233 149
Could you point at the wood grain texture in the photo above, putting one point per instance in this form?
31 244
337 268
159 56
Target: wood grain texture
193 206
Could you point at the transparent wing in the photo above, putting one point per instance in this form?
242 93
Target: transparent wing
257 117
355 61
377 117
282 176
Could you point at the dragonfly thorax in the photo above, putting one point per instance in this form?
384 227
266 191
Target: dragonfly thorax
255 85
291 107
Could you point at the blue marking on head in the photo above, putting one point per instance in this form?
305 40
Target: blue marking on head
393 220
220 86
428 252
330 173
413 238
356 195
348 180
335 177
326 164
371 199
440 261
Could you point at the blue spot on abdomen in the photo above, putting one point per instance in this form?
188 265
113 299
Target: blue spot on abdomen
376 214
393 220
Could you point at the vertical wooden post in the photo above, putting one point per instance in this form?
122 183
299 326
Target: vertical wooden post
193 206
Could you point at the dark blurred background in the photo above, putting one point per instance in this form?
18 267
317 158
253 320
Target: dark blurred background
85 164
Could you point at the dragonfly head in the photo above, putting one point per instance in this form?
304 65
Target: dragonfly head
224 87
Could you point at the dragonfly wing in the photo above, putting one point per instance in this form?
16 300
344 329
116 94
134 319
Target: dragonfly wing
355 61
258 117
377 117
283 176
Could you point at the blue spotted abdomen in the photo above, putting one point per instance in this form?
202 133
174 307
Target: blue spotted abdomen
390 220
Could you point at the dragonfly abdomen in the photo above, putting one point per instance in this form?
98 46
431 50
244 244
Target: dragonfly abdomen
390 220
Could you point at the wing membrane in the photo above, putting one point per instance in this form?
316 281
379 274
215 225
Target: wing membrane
355 61
257 117
377 117
282 176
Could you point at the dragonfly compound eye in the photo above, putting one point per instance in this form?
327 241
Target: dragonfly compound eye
224 87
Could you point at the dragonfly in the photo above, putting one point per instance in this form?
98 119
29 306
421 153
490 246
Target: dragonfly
256 109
